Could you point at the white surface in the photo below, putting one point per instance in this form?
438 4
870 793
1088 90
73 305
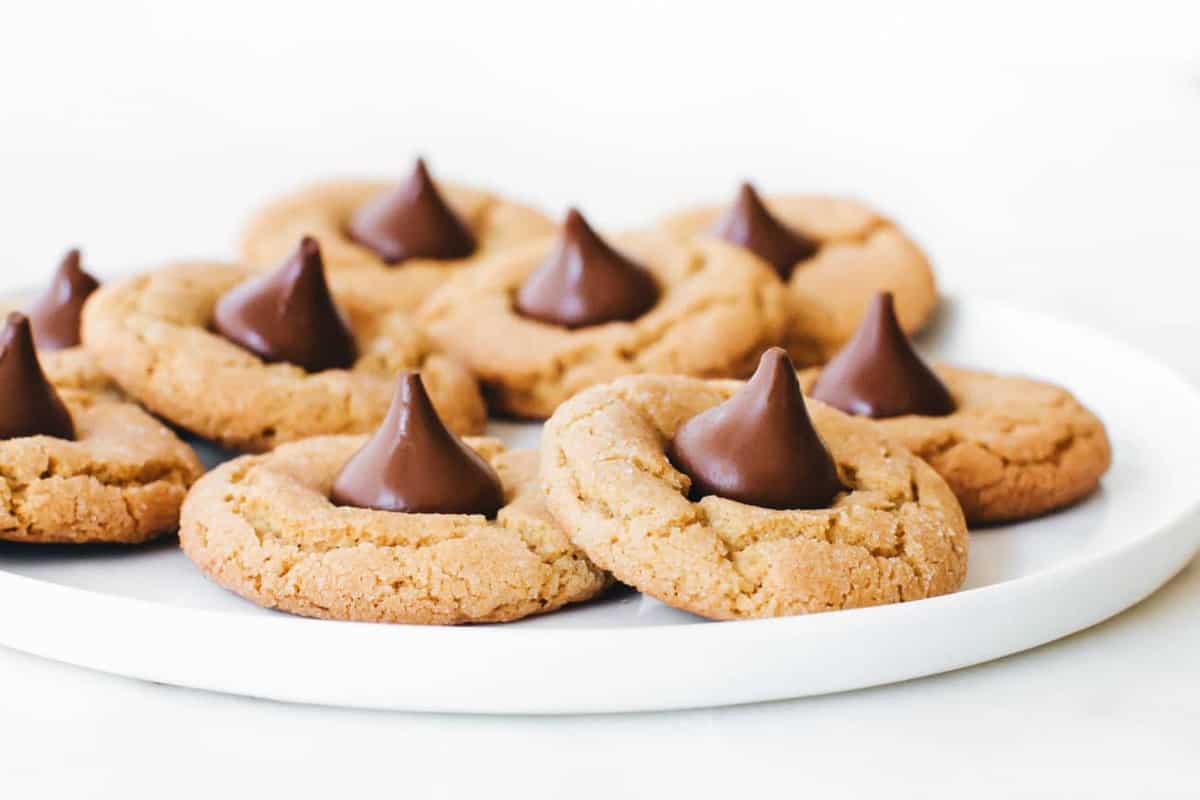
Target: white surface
150 614
1044 152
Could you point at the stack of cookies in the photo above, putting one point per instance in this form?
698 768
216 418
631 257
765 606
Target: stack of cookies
356 353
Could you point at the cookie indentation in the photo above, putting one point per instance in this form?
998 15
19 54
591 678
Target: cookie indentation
1013 448
859 253
896 534
718 309
585 281
121 480
151 333
264 527
403 277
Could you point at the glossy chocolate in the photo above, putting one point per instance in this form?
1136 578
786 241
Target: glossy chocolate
879 374
585 282
55 314
414 464
759 447
289 315
748 223
412 221
30 405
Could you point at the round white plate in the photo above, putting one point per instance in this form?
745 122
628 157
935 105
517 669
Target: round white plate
149 614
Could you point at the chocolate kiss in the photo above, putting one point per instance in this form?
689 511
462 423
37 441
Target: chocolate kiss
585 282
289 315
412 221
879 374
30 405
414 464
759 446
748 223
55 314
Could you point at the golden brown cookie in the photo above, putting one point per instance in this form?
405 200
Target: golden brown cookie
718 309
896 534
324 212
859 252
121 480
151 333
1013 448
74 368
264 527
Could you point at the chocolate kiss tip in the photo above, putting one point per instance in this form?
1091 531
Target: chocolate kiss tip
747 193
759 447
584 282
17 331
879 374
749 223
289 315
304 274
307 269
412 221
413 464
576 222
776 364
30 405
310 248
55 314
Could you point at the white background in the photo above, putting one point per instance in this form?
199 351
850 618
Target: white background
1046 153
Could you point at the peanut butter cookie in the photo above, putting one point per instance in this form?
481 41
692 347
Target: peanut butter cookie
613 465
833 253
392 244
155 335
265 527
1010 448
1013 447
539 323
79 466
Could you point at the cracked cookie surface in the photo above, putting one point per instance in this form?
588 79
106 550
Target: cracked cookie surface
1014 448
719 309
121 480
323 211
861 253
151 333
897 534
264 527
